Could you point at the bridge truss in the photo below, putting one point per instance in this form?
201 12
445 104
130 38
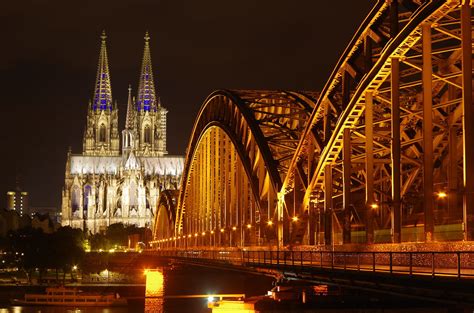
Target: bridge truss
378 156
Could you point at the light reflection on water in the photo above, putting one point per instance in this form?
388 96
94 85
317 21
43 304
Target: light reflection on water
154 291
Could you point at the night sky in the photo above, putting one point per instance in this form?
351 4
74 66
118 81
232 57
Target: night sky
49 54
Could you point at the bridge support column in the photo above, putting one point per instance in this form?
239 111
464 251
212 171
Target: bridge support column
280 213
452 174
328 208
369 168
346 229
427 132
468 121
395 212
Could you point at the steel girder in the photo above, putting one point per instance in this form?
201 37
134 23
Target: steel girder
263 128
163 224
404 63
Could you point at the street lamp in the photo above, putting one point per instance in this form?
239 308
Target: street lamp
442 195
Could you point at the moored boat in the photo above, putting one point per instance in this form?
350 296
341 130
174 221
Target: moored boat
62 296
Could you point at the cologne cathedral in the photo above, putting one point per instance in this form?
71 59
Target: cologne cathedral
108 184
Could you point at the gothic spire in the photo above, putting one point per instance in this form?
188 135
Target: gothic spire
103 90
129 122
146 87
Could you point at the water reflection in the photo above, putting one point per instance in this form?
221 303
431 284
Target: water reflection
154 291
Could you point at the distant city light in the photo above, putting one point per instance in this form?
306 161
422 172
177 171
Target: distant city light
374 206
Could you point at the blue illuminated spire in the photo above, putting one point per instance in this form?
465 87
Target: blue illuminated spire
146 99
103 90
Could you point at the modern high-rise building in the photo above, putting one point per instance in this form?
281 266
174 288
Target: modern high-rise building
18 201
107 183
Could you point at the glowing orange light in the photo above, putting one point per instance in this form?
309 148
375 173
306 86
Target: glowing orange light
212 232
189 236
222 230
196 234
154 283
442 195
234 228
249 226
203 233
294 218
270 223
374 206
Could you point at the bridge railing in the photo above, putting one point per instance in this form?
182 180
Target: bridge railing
458 264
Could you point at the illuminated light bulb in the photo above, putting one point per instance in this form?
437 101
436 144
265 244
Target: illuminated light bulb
203 233
234 228
294 218
270 223
222 230
249 226
196 234
374 205
210 299
212 232
442 194
189 236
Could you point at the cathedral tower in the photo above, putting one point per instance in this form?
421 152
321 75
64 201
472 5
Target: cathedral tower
151 116
104 184
101 136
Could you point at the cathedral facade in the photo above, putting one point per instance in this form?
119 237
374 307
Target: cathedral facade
111 183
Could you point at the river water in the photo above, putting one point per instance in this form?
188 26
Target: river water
178 280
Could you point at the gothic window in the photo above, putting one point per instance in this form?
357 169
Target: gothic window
147 134
87 192
102 133
133 195
76 198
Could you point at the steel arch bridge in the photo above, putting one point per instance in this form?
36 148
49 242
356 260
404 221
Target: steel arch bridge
383 154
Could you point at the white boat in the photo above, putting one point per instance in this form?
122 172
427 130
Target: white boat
62 296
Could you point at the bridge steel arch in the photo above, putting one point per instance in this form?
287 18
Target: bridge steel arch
165 217
237 157
388 153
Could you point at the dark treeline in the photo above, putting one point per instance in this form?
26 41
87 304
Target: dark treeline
63 251
32 250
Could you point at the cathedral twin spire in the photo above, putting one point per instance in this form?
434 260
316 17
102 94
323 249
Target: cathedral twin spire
145 125
103 90
146 88
147 98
